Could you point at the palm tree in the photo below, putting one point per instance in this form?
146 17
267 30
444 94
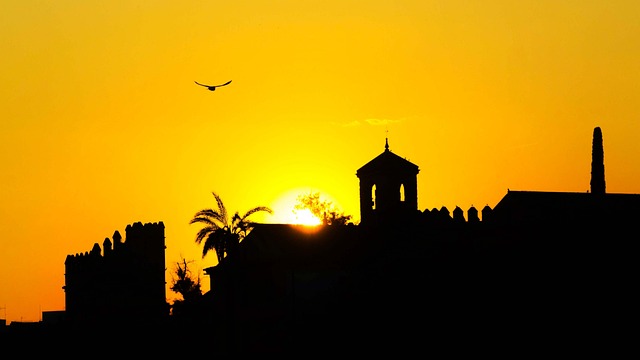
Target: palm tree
220 233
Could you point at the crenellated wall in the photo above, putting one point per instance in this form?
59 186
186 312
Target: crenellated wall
444 216
122 281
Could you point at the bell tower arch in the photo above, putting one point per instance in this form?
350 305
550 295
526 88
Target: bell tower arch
388 187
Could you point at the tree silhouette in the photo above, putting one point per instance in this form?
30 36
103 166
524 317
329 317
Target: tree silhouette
322 209
187 284
221 233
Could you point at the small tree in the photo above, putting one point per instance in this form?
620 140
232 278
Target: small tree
322 209
187 284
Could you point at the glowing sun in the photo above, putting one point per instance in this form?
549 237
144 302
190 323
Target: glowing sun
285 212
305 217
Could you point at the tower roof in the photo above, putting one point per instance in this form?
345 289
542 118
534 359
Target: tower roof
387 162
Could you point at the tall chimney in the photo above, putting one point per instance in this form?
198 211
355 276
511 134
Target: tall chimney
597 163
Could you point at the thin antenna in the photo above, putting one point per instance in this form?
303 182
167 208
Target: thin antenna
386 141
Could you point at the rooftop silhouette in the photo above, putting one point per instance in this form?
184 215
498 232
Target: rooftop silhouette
538 262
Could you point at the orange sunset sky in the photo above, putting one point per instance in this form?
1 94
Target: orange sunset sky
103 126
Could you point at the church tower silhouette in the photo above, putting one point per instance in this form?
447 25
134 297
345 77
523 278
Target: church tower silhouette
388 188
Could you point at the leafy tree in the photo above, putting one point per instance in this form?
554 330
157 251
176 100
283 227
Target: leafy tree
187 284
221 233
322 209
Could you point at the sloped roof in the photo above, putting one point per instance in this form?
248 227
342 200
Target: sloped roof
388 162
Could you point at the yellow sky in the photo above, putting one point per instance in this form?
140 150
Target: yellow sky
103 126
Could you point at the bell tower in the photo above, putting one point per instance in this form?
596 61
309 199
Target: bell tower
388 188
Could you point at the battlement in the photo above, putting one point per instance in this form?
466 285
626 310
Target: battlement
443 215
138 236
123 279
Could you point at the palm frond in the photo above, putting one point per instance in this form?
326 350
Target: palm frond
203 219
236 221
216 241
255 210
222 211
208 246
219 233
246 226
210 214
203 233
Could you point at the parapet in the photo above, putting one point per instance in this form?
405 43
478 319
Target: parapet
443 216
138 236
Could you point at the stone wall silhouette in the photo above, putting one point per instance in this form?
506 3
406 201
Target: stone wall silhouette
123 281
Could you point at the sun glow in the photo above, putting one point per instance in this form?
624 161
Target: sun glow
305 217
286 213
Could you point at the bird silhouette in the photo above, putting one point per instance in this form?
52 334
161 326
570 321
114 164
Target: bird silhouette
213 87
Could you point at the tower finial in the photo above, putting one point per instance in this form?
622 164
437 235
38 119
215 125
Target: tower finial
386 142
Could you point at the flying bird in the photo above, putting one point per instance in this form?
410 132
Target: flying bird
213 87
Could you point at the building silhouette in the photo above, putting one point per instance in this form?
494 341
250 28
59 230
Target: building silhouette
552 263
121 283
388 188
537 271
